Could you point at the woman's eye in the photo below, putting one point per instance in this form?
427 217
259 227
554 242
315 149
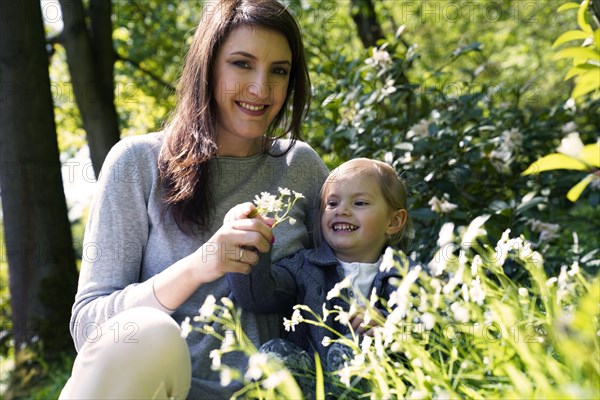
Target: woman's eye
361 203
281 71
241 64
331 204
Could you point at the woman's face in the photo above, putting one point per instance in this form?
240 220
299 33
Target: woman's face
251 74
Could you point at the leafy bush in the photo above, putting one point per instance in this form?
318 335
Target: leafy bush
461 147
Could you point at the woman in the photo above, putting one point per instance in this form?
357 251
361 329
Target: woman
155 243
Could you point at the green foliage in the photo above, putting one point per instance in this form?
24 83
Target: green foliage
30 376
460 327
586 58
265 377
461 152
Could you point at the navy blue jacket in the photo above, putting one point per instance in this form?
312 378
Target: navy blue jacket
304 278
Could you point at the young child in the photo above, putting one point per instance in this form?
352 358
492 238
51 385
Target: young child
362 210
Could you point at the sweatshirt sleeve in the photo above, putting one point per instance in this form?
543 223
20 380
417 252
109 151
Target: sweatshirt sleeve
267 288
114 242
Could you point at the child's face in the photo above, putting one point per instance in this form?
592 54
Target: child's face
356 219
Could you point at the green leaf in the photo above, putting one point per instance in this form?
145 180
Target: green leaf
578 52
586 83
529 204
585 86
319 380
555 161
579 69
567 6
581 18
569 36
576 190
591 154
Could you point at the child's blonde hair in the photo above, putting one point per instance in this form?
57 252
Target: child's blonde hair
391 185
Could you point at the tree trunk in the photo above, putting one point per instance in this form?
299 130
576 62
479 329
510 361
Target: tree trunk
91 64
365 18
39 246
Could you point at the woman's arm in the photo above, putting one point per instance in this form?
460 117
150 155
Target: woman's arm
115 245
177 283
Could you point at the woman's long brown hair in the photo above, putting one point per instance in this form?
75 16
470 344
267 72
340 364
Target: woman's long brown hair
190 135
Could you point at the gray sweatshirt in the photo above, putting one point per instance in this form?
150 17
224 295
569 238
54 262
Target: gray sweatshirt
127 242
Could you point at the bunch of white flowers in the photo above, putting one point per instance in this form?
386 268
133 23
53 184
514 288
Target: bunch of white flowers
278 207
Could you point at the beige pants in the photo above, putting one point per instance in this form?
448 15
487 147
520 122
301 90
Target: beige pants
137 354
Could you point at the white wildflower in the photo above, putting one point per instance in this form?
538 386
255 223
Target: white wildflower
442 206
523 292
465 292
423 300
419 130
417 395
343 317
476 291
298 195
461 313
227 302
345 374
366 317
228 341
226 377
547 231
456 280
476 265
570 105
551 281
391 324
267 202
380 58
502 247
326 341
569 127
290 324
564 286
428 321
326 312
473 231
446 234
284 191
441 394
488 317
388 260
256 362
292 221
400 296
436 298
574 269
208 308
336 291
366 344
438 264
215 356
186 327
275 379
571 145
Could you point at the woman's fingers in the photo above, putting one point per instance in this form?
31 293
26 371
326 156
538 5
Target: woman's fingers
250 232
240 211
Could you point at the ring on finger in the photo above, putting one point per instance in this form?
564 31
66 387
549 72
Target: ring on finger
241 253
